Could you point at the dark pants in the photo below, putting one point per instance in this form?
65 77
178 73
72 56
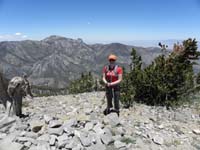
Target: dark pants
113 93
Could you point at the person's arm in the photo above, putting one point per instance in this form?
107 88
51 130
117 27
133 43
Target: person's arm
116 82
104 78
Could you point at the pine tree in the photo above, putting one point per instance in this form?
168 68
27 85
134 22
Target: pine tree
165 81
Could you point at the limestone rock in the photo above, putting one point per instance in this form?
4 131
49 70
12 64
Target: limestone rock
119 144
55 131
70 123
2 135
44 137
63 140
112 119
36 125
6 121
11 146
43 146
98 129
196 131
158 139
106 139
89 126
55 123
25 139
47 118
52 140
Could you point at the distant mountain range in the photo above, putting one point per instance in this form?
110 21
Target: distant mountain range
154 43
55 60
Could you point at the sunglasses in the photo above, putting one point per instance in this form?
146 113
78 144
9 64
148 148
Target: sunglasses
111 60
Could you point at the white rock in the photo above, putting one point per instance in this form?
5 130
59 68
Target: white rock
56 131
112 119
6 121
98 129
78 147
98 146
43 146
158 139
63 140
119 144
77 133
47 118
70 123
53 148
86 141
117 137
11 146
89 126
44 137
73 143
33 148
88 111
31 135
196 131
161 126
52 140
69 131
106 139
2 135
55 123
36 125
27 144
26 139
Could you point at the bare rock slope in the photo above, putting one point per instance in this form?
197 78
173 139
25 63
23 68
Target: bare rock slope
76 122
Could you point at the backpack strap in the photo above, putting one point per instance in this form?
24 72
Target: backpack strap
115 70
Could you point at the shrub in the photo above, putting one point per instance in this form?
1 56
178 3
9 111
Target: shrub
85 83
165 81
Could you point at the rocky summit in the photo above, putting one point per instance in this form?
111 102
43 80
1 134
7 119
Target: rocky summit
76 122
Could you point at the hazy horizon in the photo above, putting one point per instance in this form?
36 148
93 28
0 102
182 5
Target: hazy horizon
138 22
139 43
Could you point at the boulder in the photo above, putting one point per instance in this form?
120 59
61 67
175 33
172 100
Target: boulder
36 125
55 123
119 144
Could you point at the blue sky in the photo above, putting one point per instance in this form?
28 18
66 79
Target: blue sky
100 20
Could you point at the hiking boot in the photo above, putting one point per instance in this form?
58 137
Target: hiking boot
115 111
106 111
23 116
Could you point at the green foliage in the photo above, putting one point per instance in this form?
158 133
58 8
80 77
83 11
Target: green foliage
131 80
128 140
198 79
165 81
85 83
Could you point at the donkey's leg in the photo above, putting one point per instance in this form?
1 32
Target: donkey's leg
9 108
18 106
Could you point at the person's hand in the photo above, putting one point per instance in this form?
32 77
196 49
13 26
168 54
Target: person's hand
108 84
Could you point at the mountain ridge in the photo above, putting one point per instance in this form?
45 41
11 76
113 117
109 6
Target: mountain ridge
56 60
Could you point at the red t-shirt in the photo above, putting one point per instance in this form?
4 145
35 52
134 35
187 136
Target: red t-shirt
111 75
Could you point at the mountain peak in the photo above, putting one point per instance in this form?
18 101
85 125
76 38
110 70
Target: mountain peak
53 38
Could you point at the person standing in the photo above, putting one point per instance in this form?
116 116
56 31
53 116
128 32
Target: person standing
112 76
